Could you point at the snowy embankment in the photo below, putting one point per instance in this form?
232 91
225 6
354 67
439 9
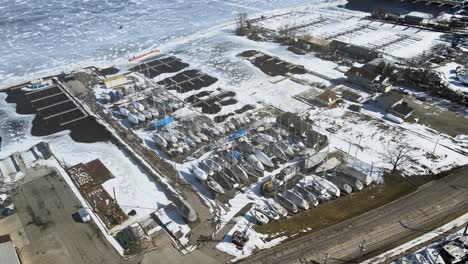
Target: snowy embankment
449 75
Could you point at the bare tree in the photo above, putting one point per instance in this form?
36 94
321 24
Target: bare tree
242 22
398 155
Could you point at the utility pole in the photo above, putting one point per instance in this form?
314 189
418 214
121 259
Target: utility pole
433 151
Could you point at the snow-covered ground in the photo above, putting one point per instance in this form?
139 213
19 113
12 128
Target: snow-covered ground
377 136
133 189
348 26
448 73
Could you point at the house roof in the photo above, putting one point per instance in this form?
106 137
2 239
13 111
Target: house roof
328 95
402 109
391 97
350 94
367 71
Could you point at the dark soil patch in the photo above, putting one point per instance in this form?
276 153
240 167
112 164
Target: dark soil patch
211 108
245 108
156 67
108 71
228 102
397 7
273 66
221 118
187 81
84 130
195 98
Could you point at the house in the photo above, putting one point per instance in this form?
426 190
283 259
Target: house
115 81
388 100
354 51
352 96
315 43
413 20
327 98
8 254
401 110
302 129
369 79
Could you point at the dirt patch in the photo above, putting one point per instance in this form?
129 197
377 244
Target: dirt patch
156 67
440 119
270 65
187 81
108 71
84 130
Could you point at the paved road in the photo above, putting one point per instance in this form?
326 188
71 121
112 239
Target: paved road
428 207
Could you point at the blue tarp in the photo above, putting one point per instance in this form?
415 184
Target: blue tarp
236 154
237 134
163 122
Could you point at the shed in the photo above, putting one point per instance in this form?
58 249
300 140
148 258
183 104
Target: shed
352 96
413 20
368 78
402 110
8 253
115 81
388 100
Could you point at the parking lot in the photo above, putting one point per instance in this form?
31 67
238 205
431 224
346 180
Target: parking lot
45 207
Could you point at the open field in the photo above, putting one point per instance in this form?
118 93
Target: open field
438 117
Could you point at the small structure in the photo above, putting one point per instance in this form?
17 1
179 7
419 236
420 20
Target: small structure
401 110
456 251
327 98
115 81
8 254
352 96
315 43
369 78
413 20
388 100
360 53
302 129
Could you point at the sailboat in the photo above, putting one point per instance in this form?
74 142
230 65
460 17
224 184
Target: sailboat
296 199
285 148
267 211
160 141
330 187
214 186
199 173
280 210
263 158
240 173
308 196
340 183
286 203
132 119
260 217
252 159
